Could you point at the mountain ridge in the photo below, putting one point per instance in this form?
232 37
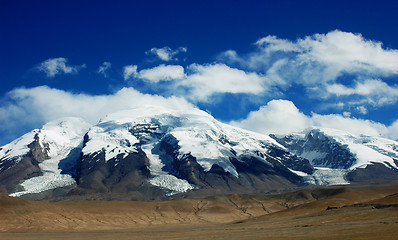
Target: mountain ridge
155 153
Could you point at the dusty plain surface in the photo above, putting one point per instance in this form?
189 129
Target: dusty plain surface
350 212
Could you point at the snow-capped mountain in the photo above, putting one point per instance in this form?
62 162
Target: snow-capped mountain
43 159
153 152
178 151
343 157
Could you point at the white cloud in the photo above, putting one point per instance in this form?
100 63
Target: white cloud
103 68
274 77
54 66
230 55
352 125
371 92
274 44
162 72
325 63
320 58
27 108
277 117
205 80
283 117
129 71
392 131
347 114
337 51
362 109
369 87
199 82
328 56
166 53
349 52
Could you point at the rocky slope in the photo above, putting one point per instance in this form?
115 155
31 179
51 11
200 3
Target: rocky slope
340 157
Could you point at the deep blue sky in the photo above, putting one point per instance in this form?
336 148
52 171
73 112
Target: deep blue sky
121 32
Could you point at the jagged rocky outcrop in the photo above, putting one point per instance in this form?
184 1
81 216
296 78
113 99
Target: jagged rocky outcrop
320 149
357 158
18 165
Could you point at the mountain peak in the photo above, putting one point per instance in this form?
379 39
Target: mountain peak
153 152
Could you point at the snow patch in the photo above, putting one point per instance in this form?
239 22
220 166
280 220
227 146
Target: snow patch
299 173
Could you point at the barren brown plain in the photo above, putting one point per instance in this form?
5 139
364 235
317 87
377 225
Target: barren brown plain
343 212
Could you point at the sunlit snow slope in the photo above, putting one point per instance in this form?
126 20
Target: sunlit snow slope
335 153
57 148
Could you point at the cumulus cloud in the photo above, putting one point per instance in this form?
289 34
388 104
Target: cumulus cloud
283 117
371 93
325 63
345 51
336 52
277 117
205 80
27 108
274 44
155 74
103 68
349 124
199 82
327 55
379 91
162 73
54 66
166 53
392 131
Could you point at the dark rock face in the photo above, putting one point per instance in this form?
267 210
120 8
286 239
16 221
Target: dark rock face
38 152
16 170
120 174
292 161
373 173
334 154
14 174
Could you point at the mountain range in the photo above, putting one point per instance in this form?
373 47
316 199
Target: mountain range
155 153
